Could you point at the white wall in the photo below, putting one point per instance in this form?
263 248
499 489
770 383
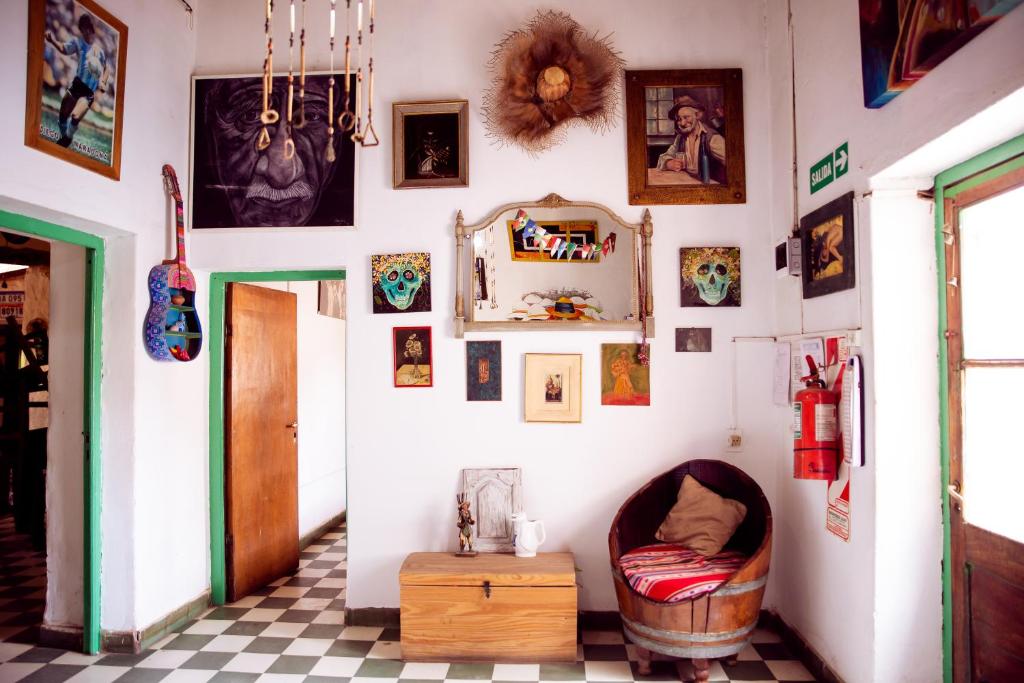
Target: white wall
894 553
153 440
406 447
321 408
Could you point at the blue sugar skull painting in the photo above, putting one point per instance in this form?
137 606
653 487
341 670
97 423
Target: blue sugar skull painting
709 276
401 282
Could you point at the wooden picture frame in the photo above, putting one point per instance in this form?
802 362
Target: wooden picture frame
408 367
423 136
552 387
828 243
711 101
94 143
494 494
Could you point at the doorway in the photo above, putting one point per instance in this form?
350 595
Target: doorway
79 256
277 462
979 209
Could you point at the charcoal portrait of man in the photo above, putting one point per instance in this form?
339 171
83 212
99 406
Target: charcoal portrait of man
237 184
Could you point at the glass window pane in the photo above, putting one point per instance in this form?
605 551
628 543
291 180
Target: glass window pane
652 127
992 282
664 93
993 450
652 110
663 109
666 127
651 94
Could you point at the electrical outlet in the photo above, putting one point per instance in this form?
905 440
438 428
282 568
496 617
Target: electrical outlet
735 440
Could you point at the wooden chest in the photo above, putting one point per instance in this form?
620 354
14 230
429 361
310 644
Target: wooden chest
488 608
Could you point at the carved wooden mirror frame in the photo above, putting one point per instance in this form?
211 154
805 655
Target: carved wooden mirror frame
640 242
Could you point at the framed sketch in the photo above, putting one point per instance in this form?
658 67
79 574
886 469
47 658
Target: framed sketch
684 136
413 357
529 248
709 276
494 494
431 144
827 243
625 381
552 387
74 107
401 282
237 185
483 370
331 298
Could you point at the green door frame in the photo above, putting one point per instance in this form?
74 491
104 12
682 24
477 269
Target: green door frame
218 300
93 341
948 184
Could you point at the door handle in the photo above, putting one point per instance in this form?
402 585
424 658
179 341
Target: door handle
954 493
292 425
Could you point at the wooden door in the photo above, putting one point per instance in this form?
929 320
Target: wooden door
261 430
985 297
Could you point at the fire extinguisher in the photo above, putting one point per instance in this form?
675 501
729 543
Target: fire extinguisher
816 438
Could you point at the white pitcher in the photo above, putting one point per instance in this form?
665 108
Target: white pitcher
529 537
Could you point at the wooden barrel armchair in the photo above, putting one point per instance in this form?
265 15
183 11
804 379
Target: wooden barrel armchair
714 625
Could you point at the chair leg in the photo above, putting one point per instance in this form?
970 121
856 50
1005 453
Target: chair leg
730 660
701 671
643 664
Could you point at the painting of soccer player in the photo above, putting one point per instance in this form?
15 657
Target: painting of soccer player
75 87
685 136
235 184
827 245
430 144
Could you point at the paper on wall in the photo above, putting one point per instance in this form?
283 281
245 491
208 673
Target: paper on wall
780 374
837 511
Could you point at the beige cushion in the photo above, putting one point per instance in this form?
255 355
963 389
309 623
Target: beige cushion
701 520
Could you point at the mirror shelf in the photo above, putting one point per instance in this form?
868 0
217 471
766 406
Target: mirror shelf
505 279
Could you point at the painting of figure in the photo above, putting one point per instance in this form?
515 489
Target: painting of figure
236 184
693 339
76 72
401 282
625 381
431 144
709 276
827 243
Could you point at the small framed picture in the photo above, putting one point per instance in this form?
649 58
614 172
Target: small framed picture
483 370
401 282
552 387
431 144
709 276
693 339
413 357
625 381
684 136
74 105
827 243
331 298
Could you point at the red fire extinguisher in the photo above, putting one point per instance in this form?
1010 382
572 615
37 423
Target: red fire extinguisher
816 438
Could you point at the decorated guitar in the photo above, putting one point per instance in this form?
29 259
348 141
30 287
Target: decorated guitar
172 329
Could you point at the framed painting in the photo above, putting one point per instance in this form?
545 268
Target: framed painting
483 370
827 243
431 144
413 357
625 381
693 339
902 40
552 386
331 298
74 107
235 184
401 282
684 136
529 248
709 276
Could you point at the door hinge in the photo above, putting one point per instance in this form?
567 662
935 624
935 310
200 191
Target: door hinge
227 330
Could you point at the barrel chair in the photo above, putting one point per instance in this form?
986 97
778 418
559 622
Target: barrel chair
714 624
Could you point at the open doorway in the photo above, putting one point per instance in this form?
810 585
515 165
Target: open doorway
278 485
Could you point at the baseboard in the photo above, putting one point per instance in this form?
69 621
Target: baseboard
388 617
316 533
133 642
61 637
799 647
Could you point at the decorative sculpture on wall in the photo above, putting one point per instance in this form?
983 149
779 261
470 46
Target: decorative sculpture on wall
548 75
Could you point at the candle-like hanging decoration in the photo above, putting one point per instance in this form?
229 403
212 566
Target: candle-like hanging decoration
330 93
369 138
357 132
301 123
347 119
289 143
268 116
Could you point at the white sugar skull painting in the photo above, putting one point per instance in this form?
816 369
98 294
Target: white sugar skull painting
709 276
401 282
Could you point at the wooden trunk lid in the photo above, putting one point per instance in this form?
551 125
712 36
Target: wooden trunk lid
443 569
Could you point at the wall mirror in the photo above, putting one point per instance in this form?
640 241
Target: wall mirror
505 280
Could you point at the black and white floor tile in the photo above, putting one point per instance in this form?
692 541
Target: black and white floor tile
294 630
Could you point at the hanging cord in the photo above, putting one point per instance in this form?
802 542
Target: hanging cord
302 71
369 133
347 119
330 93
268 116
289 144
357 132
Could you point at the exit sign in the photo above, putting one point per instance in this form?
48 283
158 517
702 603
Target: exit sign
830 167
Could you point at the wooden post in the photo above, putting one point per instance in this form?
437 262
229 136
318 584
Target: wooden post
460 306
648 232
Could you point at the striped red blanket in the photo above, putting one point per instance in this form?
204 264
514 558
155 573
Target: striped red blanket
671 573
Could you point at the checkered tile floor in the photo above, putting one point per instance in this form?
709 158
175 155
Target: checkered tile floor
294 630
22 586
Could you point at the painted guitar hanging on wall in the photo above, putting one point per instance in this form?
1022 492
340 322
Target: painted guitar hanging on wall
173 331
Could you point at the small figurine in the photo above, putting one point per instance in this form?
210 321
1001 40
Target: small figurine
179 325
465 525
180 352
